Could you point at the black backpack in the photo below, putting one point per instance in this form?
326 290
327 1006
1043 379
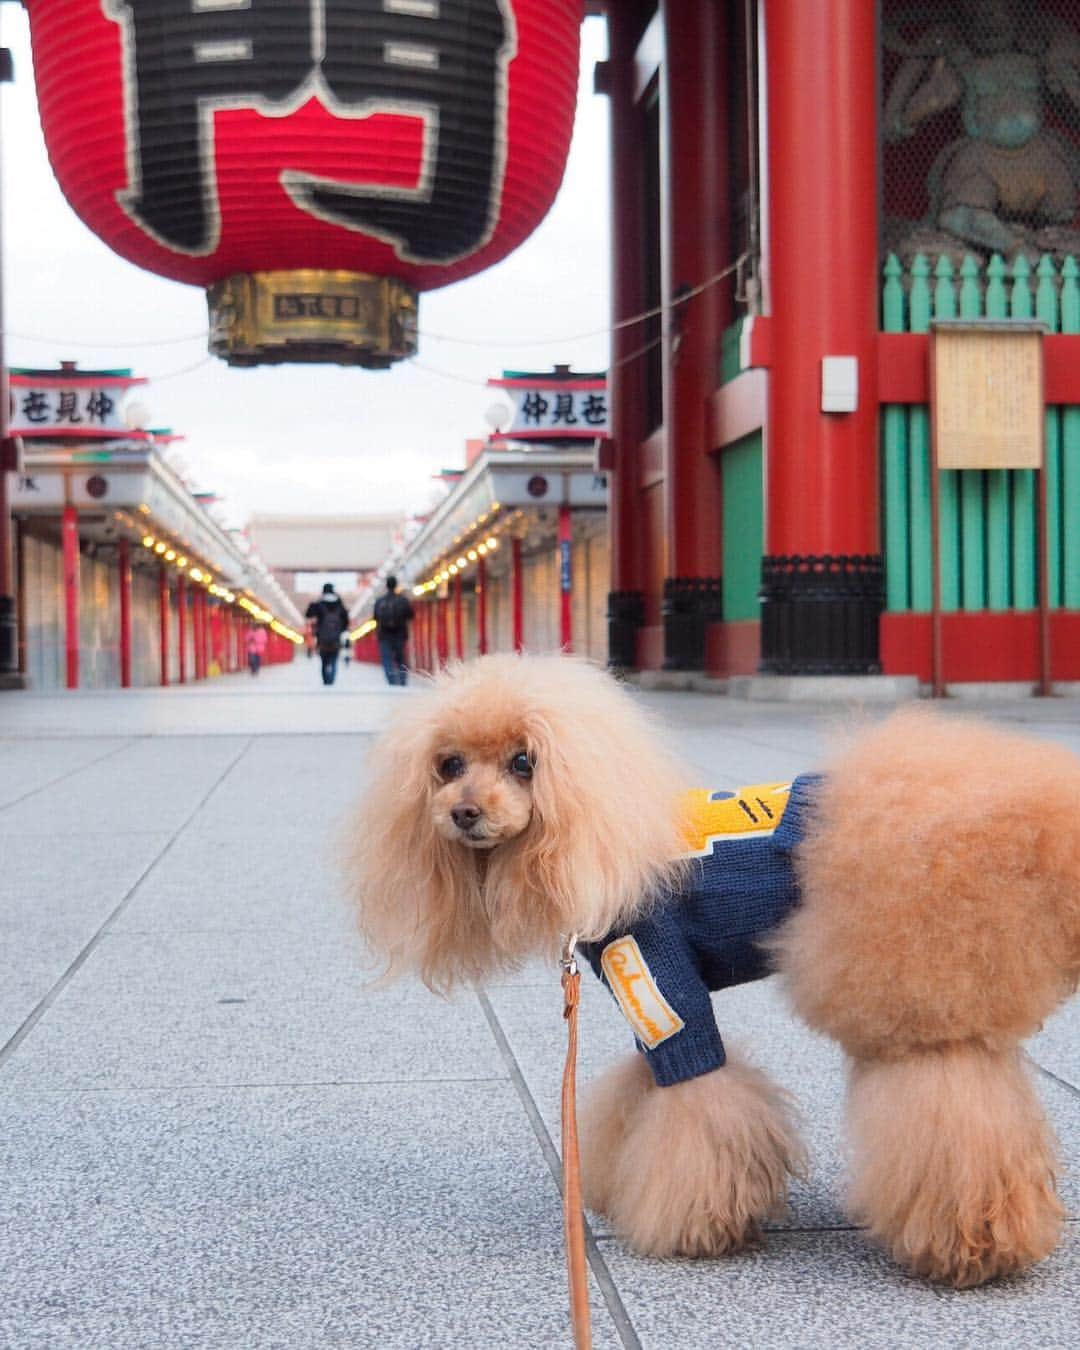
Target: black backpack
391 612
330 626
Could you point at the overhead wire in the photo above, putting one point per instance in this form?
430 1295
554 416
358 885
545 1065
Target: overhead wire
619 324
111 342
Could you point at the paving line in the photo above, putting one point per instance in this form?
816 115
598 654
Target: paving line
606 1284
1054 1078
43 1006
71 773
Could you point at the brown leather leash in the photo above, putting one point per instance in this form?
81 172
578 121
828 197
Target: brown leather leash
573 1218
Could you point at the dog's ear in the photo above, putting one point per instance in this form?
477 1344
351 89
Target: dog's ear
417 897
605 837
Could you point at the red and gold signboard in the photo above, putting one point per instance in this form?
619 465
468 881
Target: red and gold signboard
313 163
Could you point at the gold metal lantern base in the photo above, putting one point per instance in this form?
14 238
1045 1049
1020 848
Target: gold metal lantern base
342 318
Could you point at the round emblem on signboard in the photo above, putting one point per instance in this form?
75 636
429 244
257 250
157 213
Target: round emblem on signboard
537 485
96 486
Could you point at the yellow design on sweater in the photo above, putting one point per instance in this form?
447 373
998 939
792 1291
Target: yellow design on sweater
748 813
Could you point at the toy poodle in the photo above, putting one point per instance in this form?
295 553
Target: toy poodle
920 898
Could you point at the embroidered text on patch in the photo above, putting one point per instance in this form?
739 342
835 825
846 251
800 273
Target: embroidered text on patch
643 1005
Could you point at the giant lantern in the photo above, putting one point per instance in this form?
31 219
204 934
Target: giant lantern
313 163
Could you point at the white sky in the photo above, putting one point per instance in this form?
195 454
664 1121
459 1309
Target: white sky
302 438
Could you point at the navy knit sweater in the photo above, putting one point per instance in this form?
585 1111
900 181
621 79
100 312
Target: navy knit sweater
741 885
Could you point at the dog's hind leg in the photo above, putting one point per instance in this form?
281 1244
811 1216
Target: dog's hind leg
693 1169
953 1162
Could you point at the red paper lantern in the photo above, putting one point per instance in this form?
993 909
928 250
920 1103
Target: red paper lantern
314 165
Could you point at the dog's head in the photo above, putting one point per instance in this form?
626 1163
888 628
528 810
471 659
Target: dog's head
515 800
484 794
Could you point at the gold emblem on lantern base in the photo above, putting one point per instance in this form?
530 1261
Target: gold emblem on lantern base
347 318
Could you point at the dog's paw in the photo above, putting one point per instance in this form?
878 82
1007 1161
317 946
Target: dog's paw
954 1164
693 1169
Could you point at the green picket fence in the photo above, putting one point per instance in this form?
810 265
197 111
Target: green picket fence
988 517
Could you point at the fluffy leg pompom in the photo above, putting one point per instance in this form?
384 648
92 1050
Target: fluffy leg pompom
953 1163
693 1169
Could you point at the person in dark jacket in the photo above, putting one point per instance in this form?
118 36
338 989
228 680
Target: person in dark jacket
329 626
393 614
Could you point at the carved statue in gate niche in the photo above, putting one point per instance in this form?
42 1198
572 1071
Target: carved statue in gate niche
1009 183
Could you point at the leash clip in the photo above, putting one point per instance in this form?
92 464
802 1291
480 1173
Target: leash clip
568 960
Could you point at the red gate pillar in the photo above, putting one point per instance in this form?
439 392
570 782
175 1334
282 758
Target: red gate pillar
821 282
163 621
626 376
459 634
181 625
694 232
481 607
566 608
517 607
123 568
69 536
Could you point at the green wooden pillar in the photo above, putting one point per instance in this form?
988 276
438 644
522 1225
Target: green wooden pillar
1046 310
919 454
894 441
1070 451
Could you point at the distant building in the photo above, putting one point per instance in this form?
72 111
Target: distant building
123 577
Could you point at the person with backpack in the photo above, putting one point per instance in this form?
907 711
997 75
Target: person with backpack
329 623
393 614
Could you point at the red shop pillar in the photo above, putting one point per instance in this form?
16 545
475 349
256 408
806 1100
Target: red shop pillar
417 639
481 607
517 608
69 536
423 615
163 621
626 392
181 625
199 621
821 577
202 635
694 232
459 635
442 646
566 607
123 567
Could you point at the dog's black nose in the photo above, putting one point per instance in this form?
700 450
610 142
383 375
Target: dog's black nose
465 816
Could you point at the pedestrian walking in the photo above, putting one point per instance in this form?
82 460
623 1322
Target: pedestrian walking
256 647
329 625
393 614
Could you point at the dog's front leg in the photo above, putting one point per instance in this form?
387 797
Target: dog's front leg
692 1169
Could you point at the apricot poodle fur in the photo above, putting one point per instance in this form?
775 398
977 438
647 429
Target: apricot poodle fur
519 799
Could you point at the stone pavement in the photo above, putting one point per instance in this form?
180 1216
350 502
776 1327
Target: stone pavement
215 1136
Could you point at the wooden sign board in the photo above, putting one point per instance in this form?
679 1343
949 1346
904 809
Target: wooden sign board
986 395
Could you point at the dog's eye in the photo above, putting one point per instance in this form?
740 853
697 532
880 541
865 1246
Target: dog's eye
521 765
453 766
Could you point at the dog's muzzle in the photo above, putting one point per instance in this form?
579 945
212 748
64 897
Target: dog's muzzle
469 819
